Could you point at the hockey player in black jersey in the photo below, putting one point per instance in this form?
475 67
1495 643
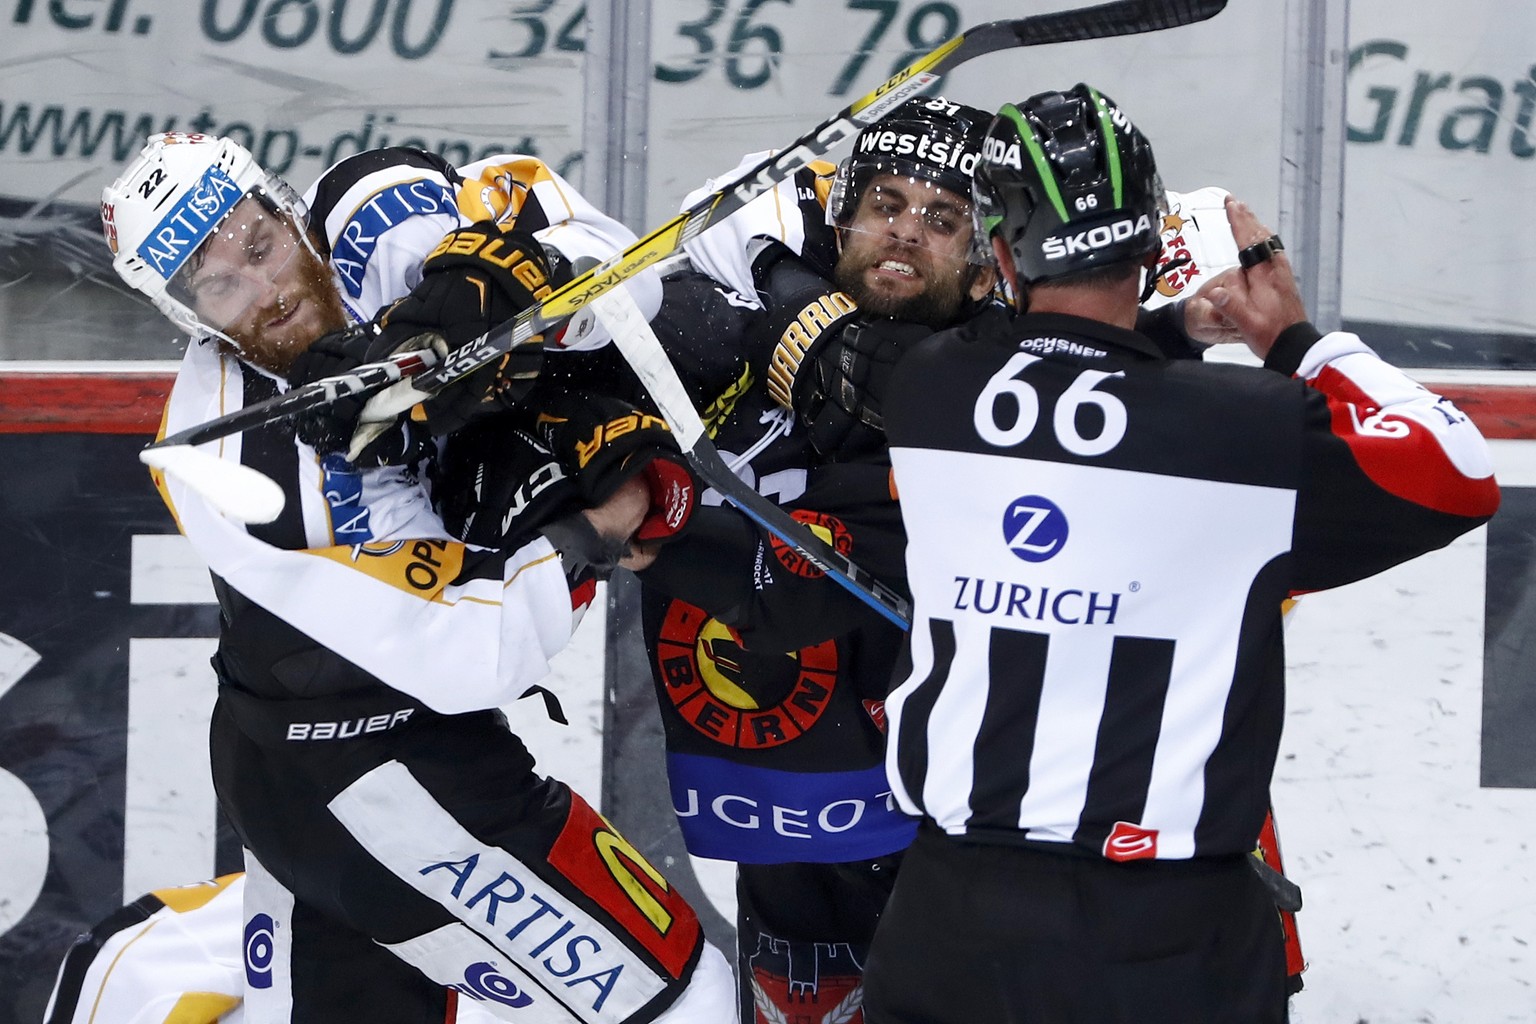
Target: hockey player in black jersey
790 316
403 853
774 759
1099 544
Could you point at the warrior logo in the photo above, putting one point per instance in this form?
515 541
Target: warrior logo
735 696
1035 528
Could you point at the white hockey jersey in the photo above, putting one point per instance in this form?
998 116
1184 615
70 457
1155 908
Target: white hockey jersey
358 561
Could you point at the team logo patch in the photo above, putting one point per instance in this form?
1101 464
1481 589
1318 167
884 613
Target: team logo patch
1035 528
829 528
608 869
260 948
820 983
483 981
738 697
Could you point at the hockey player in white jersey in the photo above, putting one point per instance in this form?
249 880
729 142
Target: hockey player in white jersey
403 854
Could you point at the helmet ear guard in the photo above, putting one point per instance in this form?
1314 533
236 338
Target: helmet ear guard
171 200
1069 184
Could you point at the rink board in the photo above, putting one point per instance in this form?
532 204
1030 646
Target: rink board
1406 792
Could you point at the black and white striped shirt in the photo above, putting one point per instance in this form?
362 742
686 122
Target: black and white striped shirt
1099 544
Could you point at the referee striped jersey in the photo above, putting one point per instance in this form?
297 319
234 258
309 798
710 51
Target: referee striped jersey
1099 542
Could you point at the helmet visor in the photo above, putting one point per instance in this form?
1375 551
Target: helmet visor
909 250
243 274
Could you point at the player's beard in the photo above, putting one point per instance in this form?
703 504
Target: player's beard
304 307
945 282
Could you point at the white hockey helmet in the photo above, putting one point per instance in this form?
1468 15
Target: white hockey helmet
171 200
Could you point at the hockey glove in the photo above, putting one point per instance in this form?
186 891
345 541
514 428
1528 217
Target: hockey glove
830 362
498 485
838 393
331 428
603 442
476 278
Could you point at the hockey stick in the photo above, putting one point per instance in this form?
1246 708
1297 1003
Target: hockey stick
645 355
1119 18
361 380
237 490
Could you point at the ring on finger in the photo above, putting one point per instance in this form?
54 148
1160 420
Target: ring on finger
1258 252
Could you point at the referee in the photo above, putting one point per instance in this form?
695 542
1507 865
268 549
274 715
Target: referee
1099 543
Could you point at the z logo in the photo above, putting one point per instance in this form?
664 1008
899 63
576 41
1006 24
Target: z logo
1035 528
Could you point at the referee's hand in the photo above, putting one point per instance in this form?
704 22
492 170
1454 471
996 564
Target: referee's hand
1260 299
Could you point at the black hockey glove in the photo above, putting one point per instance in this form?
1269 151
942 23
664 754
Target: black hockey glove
604 441
498 485
476 278
329 428
838 393
830 362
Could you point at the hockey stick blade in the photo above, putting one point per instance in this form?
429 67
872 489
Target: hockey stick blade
1102 21
645 355
239 492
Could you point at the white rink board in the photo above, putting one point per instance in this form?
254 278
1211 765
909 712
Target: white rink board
1420 886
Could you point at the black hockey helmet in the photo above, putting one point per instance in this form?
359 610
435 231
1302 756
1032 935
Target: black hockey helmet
1069 184
931 139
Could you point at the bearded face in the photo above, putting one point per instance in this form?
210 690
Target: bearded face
256 281
906 252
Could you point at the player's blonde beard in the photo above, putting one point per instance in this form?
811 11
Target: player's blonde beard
946 280
307 287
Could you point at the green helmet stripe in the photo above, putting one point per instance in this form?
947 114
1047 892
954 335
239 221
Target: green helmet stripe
1111 146
1042 165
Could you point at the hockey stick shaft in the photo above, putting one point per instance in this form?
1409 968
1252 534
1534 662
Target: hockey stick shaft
646 356
1103 21
1122 17
363 380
